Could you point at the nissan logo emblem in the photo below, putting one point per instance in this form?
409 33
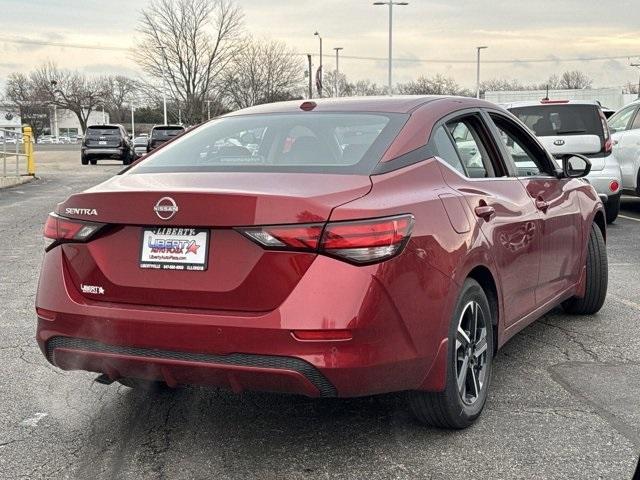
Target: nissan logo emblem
166 208
558 142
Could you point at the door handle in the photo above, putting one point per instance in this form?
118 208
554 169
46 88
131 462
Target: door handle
485 212
542 205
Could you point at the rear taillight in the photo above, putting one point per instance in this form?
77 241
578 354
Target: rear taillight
59 229
361 242
607 146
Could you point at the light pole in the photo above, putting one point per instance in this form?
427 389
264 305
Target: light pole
54 84
478 71
310 75
390 4
320 70
164 86
133 122
337 81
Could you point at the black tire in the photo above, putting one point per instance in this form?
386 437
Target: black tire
597 277
127 159
447 409
84 160
612 208
94 161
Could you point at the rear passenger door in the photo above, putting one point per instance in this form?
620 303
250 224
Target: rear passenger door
503 209
556 200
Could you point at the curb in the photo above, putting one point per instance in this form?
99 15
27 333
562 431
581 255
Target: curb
6 182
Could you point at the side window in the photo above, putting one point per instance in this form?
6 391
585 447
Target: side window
446 150
636 122
620 120
473 154
528 157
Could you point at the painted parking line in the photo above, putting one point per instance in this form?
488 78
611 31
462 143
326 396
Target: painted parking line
630 218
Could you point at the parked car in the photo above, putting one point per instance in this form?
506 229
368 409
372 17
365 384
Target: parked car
320 266
163 133
575 126
46 139
106 141
64 140
625 133
140 146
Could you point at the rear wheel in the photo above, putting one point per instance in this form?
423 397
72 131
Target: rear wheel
597 277
612 208
470 358
94 161
84 160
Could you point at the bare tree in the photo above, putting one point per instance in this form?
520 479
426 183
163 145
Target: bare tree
24 99
119 93
575 79
436 85
263 72
191 42
68 89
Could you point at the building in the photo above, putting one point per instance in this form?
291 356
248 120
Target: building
66 123
10 121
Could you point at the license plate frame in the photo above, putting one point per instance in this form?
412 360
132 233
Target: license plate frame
174 248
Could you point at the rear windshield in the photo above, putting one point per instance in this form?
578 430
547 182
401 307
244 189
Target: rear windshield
166 132
561 119
294 142
103 131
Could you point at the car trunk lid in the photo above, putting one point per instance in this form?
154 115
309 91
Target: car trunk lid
238 274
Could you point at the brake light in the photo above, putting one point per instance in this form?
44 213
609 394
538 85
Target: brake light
607 146
547 101
360 242
59 229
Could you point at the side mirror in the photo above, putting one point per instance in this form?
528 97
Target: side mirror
575 165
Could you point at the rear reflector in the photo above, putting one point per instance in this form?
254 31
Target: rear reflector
59 229
322 335
360 242
614 186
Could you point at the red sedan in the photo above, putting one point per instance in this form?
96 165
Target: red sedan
333 248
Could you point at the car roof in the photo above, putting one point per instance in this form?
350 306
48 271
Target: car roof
386 104
108 125
167 126
545 103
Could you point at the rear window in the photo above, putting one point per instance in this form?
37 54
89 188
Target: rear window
166 132
561 119
294 142
103 131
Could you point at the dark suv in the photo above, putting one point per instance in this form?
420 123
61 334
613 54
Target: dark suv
163 133
106 141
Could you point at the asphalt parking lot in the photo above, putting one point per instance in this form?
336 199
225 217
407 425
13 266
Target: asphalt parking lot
564 401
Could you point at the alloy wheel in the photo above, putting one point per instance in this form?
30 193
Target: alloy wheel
471 353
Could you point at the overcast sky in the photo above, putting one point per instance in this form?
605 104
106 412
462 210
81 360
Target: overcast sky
444 33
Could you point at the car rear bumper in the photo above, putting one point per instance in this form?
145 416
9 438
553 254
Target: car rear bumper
390 349
102 151
603 180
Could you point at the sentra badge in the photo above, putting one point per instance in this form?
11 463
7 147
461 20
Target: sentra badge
81 211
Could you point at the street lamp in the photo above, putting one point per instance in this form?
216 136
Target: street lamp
337 49
390 4
478 71
164 86
133 122
54 84
637 65
320 38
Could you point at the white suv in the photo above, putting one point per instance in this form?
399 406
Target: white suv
576 126
625 133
